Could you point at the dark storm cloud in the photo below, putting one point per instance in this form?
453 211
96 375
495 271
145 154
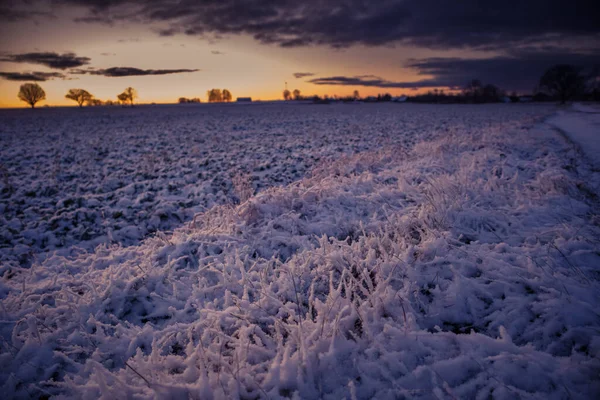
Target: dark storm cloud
520 70
10 15
11 12
31 76
299 75
339 23
49 59
129 71
510 28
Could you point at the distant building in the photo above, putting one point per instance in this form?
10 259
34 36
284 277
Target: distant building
399 99
244 99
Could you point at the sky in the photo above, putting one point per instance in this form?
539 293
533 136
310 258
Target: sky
168 49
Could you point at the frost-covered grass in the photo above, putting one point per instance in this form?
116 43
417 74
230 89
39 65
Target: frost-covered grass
441 252
111 175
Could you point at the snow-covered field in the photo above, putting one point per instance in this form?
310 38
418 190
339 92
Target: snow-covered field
581 124
83 177
343 251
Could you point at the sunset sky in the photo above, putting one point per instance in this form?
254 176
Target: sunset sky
167 49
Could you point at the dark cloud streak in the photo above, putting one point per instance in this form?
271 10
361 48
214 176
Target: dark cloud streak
12 14
31 76
49 59
374 81
299 75
117 72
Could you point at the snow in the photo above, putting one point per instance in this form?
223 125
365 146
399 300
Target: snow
582 125
430 252
118 175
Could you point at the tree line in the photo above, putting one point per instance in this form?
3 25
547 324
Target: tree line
346 99
32 93
212 96
561 83
219 96
287 95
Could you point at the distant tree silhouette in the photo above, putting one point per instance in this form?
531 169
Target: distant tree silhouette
593 84
491 93
184 100
297 94
79 95
214 96
563 81
95 102
128 95
287 95
31 93
356 95
227 95
473 90
122 98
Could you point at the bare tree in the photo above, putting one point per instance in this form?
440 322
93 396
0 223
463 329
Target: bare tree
131 94
473 90
491 93
227 95
593 79
593 83
563 81
122 98
287 95
214 96
128 95
31 93
297 94
79 95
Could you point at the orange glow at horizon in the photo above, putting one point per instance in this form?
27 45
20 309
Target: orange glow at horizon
241 65
331 91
